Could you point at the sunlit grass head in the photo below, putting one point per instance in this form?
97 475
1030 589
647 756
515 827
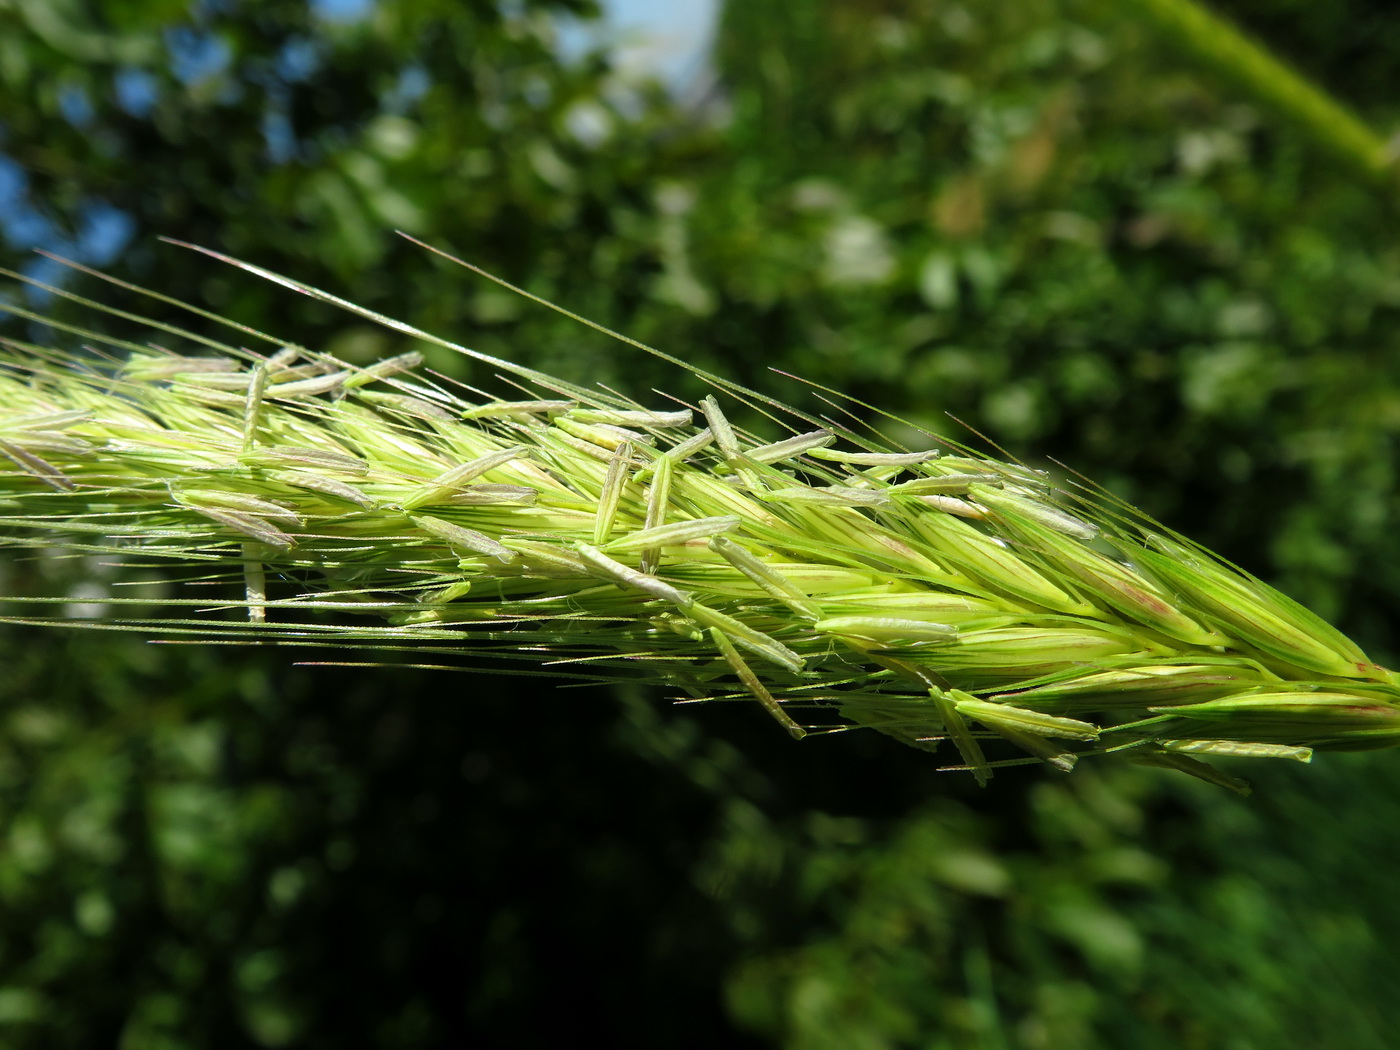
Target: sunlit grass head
955 601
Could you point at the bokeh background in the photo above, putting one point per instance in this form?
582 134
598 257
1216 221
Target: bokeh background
1113 233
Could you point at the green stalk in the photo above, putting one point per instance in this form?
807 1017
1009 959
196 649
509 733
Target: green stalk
954 602
1273 83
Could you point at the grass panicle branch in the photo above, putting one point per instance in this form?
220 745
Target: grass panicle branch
953 601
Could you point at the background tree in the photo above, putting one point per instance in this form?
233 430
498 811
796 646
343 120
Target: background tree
1058 223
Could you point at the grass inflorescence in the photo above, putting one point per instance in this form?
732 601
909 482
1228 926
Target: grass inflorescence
952 600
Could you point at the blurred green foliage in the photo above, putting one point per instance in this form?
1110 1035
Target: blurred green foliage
1043 217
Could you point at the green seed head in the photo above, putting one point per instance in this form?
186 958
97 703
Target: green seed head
953 602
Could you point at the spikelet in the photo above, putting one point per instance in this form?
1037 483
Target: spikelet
953 602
